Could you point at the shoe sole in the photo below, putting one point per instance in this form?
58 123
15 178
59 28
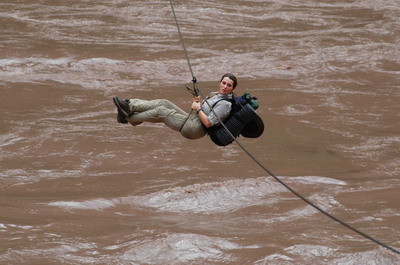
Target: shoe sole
120 109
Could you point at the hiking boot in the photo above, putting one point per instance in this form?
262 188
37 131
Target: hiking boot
123 107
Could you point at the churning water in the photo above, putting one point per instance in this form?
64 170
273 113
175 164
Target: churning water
76 187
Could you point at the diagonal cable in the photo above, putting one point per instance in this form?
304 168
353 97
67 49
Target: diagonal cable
265 168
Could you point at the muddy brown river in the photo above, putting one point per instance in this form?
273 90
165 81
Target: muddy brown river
76 187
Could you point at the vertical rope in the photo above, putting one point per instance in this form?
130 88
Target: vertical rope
182 42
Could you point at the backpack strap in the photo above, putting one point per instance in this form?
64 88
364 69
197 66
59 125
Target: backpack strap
230 100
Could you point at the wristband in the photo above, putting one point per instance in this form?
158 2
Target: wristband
199 109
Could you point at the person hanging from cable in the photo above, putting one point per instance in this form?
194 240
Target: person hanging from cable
205 114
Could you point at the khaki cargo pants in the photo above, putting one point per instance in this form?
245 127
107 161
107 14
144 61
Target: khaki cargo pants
162 110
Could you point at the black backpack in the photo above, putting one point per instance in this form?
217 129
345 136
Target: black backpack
242 120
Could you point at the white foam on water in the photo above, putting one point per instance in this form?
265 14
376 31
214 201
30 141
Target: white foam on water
370 147
20 177
208 198
25 227
376 257
213 197
180 248
198 198
276 258
57 252
291 216
97 204
296 110
316 179
311 250
9 139
224 196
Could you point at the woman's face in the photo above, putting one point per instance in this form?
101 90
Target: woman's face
225 86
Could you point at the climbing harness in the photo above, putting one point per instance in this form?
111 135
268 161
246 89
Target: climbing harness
271 173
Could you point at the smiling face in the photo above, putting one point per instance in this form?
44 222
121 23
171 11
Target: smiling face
226 86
